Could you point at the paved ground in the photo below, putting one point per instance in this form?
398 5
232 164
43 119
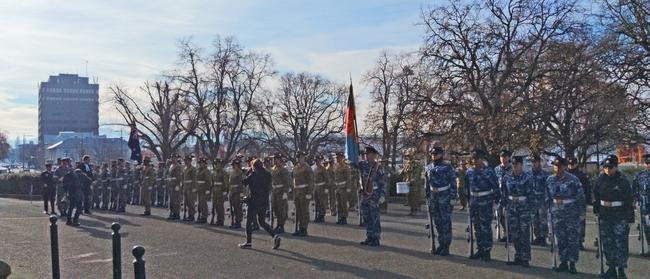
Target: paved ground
178 250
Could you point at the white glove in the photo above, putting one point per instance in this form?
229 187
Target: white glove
327 191
177 188
207 192
225 193
125 187
193 190
308 197
647 219
382 200
348 190
284 196
150 188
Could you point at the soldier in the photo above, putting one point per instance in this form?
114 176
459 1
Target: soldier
115 185
567 199
219 191
303 181
460 180
642 190
189 188
572 168
342 183
61 170
353 189
320 190
203 188
440 191
148 178
281 183
134 176
614 206
412 173
373 194
73 182
484 193
539 205
88 169
235 186
159 193
174 188
331 186
96 187
105 187
519 204
49 188
123 181
503 169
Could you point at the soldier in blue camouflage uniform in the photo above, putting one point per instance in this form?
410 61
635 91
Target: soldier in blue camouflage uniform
484 193
503 169
540 208
641 187
519 204
440 191
572 168
372 195
614 205
566 200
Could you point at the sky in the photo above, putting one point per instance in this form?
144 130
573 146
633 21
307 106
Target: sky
129 42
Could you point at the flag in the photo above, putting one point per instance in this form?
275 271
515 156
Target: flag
352 137
134 145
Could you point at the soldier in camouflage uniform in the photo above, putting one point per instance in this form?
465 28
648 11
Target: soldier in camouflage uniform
540 206
174 181
105 186
320 188
573 168
373 194
440 192
189 188
462 191
219 191
567 200
132 179
281 183
641 187
235 193
147 181
412 173
353 190
519 203
484 193
614 205
114 185
96 187
159 188
342 182
122 181
203 188
59 173
331 186
303 187
505 168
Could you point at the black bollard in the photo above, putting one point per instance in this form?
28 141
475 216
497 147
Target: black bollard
54 243
117 254
138 263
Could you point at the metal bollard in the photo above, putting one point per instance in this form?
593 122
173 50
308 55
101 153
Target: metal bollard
54 243
117 254
138 263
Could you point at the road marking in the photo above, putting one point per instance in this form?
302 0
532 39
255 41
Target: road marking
98 261
81 256
21 218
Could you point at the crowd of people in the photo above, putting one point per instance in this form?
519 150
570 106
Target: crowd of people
532 207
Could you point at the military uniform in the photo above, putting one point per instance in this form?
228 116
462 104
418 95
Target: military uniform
642 189
540 207
519 204
133 190
412 173
484 192
203 189
373 194
122 184
236 191
586 188
320 192
281 183
49 190
105 187
174 187
614 205
61 201
219 193
330 190
159 188
566 201
148 179
462 191
440 191
342 181
303 183
501 171
189 190
353 190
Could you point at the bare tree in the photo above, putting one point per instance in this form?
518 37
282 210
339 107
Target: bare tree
304 114
4 146
163 119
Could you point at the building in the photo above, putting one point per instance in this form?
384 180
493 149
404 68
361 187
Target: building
67 103
76 145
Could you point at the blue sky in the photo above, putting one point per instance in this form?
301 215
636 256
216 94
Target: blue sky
127 42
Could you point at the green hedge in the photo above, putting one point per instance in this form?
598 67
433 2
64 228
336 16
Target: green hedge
19 183
630 170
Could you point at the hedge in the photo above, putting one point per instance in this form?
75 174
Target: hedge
20 183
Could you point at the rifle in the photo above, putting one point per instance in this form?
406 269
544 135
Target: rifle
642 224
232 215
271 208
213 209
470 229
599 246
553 242
430 233
497 227
507 232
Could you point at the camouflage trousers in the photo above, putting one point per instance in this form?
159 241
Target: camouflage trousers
519 230
414 197
440 209
234 199
353 197
646 228
370 211
615 241
482 213
280 208
540 222
566 223
320 199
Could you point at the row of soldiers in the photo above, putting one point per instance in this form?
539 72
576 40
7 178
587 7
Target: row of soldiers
524 201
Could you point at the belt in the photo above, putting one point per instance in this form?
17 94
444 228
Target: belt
187 181
301 186
200 182
158 179
276 186
118 179
558 201
517 198
320 184
436 190
481 194
611 203
218 183
341 183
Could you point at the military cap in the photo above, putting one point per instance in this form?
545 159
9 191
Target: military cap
202 160
218 160
610 161
188 158
646 158
535 157
436 150
572 161
301 153
320 157
146 159
120 159
105 164
559 161
518 159
58 159
478 154
48 164
370 149
113 162
235 162
339 154
66 159
505 153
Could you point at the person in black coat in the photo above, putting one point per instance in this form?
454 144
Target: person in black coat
259 184
49 188
87 168
74 182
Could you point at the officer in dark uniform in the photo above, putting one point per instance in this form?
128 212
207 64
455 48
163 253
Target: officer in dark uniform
49 188
572 168
614 205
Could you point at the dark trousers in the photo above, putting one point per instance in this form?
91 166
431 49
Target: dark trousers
86 198
49 195
76 204
259 214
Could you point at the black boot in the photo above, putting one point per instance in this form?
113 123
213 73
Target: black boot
344 220
486 256
621 273
444 251
302 232
365 242
477 255
515 262
572 268
524 264
437 251
564 267
610 273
